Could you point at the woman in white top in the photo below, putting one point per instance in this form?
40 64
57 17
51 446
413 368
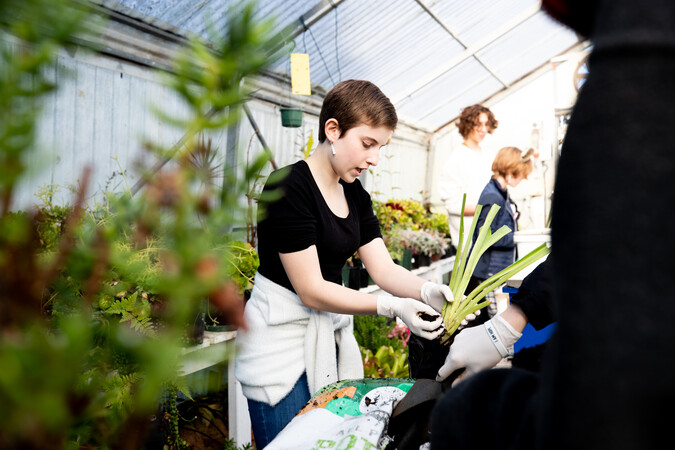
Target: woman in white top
468 168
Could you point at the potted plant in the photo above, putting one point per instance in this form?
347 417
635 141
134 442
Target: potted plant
402 213
424 244
438 223
439 245
396 245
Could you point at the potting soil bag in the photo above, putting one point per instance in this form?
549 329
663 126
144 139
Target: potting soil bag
350 414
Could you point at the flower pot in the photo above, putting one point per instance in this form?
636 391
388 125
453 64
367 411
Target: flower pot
291 117
423 260
364 277
406 261
354 278
194 332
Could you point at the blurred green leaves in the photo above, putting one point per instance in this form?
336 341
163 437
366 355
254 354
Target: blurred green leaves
94 303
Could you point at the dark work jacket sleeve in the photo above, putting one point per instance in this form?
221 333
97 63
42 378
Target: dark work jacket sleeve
607 377
535 295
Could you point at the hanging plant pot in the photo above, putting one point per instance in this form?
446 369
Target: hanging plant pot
291 117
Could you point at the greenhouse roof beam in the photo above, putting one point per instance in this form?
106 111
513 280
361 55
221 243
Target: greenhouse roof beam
310 18
468 53
524 81
455 37
428 76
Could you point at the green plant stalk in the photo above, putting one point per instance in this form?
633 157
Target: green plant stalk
484 240
460 252
471 304
500 277
460 278
463 250
465 263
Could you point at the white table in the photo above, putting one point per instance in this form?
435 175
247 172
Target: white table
434 272
217 348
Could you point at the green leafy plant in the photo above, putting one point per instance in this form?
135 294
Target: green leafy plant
437 222
399 212
407 224
371 331
172 417
385 363
93 305
243 261
383 346
423 242
465 263
50 218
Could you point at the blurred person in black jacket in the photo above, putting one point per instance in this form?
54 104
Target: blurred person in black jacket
605 381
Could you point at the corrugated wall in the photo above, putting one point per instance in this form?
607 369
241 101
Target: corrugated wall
400 172
101 115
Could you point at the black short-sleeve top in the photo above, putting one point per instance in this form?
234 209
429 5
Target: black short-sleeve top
293 215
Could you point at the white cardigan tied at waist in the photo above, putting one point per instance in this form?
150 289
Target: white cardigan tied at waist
285 338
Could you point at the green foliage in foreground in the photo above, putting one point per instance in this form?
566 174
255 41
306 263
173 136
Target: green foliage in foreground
93 303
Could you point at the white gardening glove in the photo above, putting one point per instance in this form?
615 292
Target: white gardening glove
479 347
468 318
409 310
435 295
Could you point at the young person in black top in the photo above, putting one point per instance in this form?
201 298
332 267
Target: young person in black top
316 214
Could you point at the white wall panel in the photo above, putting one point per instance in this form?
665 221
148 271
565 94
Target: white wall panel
400 172
99 115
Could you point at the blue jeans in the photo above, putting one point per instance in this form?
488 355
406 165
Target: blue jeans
267 421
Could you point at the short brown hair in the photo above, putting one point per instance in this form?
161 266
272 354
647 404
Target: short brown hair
355 102
469 117
512 161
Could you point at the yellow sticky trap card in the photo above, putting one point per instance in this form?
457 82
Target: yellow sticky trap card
300 74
